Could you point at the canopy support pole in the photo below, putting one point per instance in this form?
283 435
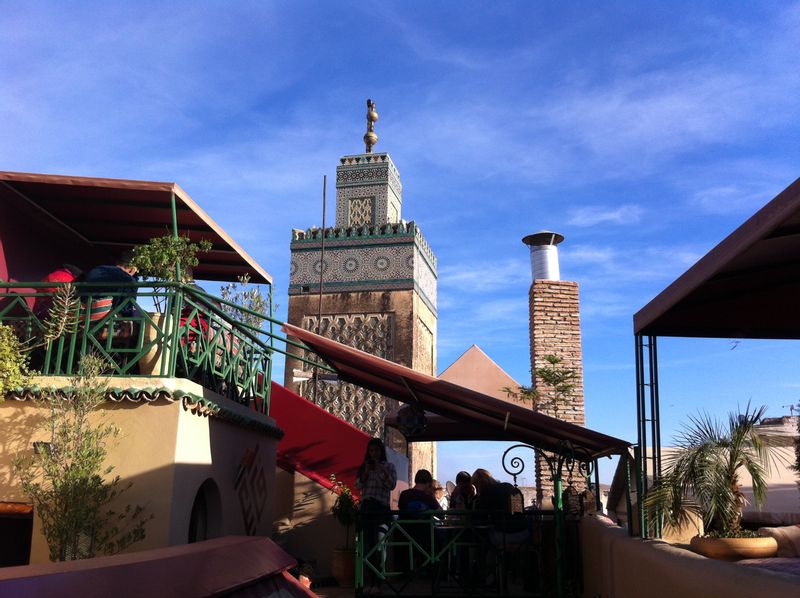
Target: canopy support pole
647 412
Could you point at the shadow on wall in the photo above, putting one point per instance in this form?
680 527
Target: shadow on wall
305 527
221 483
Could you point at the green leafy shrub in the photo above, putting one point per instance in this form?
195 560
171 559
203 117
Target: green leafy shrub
13 362
249 297
160 257
66 478
345 509
554 385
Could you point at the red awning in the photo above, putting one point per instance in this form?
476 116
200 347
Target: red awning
475 410
116 214
316 443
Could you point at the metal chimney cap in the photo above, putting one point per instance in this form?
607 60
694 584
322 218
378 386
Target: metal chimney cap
543 237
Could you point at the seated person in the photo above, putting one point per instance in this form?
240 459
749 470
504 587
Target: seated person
495 496
439 495
419 497
463 497
120 272
66 273
412 502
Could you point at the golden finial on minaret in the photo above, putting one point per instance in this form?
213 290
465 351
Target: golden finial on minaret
370 138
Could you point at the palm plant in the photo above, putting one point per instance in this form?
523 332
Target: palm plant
702 474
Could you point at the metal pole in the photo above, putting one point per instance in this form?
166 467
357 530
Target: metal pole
558 503
597 502
174 208
641 422
628 503
321 272
640 495
655 423
268 389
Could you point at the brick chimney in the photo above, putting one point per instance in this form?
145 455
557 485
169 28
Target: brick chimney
555 329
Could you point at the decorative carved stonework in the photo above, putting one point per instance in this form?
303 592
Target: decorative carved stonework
361 211
370 332
368 175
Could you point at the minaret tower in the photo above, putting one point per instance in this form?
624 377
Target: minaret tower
378 290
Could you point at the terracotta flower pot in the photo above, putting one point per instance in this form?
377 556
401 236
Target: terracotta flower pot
150 363
734 549
343 567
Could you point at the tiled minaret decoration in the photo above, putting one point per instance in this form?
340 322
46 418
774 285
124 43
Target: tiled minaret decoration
555 329
378 291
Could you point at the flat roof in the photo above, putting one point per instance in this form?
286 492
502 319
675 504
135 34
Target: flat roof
116 214
748 286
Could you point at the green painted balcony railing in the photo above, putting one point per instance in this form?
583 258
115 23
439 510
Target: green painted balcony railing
172 330
459 553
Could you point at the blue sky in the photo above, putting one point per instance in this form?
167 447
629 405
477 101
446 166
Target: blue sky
642 133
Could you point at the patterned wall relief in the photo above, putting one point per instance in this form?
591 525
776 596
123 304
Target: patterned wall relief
425 278
378 178
361 211
359 263
251 487
370 332
345 195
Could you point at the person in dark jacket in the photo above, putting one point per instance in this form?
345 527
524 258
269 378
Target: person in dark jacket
122 271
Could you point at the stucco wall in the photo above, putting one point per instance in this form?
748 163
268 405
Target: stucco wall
166 452
620 566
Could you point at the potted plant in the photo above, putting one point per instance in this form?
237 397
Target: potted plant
702 480
159 259
345 511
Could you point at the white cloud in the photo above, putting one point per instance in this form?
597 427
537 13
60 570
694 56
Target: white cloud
593 215
478 277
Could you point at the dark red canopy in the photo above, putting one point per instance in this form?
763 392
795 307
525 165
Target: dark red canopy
231 566
115 214
748 286
472 415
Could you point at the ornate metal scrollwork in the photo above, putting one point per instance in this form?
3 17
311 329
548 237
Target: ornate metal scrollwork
564 460
586 468
516 463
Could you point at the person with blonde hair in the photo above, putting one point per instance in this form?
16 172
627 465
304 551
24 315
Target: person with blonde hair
463 496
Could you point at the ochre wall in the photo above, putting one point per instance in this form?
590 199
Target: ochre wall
620 566
422 455
209 448
306 529
399 303
143 453
167 452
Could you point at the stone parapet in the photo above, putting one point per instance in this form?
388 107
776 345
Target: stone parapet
390 257
400 232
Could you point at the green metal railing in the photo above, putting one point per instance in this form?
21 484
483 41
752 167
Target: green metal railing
173 330
457 552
